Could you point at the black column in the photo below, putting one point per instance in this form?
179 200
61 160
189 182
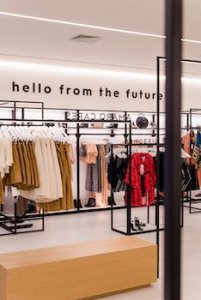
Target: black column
172 160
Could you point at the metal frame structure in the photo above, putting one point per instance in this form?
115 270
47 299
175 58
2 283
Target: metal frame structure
192 201
9 222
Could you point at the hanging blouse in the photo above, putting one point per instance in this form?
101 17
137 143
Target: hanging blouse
142 185
6 157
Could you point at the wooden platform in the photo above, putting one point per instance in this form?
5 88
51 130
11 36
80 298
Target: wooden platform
77 271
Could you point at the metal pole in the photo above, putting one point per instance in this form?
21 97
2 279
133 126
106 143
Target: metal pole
173 145
129 187
157 218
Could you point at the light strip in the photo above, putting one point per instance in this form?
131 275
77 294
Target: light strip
111 29
81 25
191 41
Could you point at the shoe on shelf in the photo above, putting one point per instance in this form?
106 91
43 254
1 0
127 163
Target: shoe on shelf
132 225
91 202
141 223
77 203
110 201
137 224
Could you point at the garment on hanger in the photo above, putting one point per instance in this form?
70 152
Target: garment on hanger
96 177
143 179
188 141
93 178
65 159
88 153
6 157
101 197
117 167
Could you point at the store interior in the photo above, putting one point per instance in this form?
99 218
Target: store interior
84 73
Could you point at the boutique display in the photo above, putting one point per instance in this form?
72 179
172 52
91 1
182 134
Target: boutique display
41 175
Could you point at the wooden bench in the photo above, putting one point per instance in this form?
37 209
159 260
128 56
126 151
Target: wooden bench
77 271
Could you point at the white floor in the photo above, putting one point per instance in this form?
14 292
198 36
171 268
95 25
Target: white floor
74 228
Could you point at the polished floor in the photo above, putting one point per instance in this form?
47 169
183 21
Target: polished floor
74 228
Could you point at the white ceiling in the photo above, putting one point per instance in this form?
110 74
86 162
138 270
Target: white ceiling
36 40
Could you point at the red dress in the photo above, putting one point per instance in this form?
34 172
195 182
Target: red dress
141 185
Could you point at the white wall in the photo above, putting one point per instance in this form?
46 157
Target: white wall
43 83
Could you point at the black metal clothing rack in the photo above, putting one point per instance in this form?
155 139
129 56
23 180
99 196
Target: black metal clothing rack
9 222
77 130
192 200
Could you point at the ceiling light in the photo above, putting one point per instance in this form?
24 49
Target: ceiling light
81 25
153 35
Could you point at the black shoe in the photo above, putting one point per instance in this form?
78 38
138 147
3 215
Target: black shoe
137 224
111 201
132 227
141 223
91 202
17 220
77 203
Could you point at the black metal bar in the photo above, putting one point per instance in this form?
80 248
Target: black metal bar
15 217
64 121
158 164
111 192
187 122
14 115
121 231
23 114
128 229
182 210
173 149
126 128
137 232
42 111
148 214
43 220
78 163
16 101
85 210
183 60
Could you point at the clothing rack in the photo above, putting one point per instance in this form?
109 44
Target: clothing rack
10 221
23 120
127 230
187 117
12 226
193 199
